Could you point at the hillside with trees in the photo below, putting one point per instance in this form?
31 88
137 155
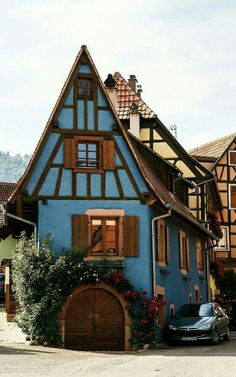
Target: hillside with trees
12 167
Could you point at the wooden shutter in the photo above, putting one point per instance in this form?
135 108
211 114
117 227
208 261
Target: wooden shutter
200 262
167 239
69 153
233 196
187 254
131 236
181 251
161 241
80 236
108 154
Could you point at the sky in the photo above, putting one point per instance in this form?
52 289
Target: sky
181 51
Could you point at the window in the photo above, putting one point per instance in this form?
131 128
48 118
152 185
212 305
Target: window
184 258
105 233
104 236
200 259
232 196
163 246
89 154
84 87
232 158
224 241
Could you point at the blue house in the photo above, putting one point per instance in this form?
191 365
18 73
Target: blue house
95 187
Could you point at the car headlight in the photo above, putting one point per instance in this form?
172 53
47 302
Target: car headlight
172 327
205 327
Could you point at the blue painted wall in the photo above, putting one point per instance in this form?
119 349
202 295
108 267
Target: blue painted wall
55 218
177 289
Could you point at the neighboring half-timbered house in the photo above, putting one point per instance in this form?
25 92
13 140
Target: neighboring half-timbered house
219 156
93 186
142 122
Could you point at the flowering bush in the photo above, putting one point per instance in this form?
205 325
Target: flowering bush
143 311
42 282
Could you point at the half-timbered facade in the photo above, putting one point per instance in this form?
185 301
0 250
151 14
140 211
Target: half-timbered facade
93 186
220 157
141 121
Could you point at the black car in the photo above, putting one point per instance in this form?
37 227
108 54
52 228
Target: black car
199 322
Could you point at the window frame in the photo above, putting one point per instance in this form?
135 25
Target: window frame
89 140
84 96
88 160
103 238
230 196
231 151
225 231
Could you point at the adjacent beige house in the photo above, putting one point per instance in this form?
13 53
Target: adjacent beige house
219 156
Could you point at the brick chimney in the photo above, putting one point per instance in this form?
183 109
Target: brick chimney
132 81
110 84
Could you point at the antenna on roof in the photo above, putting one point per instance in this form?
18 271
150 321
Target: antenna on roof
173 129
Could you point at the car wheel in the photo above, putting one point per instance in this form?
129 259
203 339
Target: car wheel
216 337
226 336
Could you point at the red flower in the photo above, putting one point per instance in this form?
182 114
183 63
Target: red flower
144 322
130 295
136 333
118 277
144 302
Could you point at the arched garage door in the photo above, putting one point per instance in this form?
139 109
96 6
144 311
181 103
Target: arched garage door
94 320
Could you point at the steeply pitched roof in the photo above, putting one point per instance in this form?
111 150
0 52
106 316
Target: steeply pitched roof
6 189
214 148
127 97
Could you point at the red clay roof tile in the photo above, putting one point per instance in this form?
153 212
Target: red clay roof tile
127 97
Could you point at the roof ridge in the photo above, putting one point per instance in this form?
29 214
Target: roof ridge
212 142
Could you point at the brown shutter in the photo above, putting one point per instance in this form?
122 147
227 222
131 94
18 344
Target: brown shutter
69 153
167 237
80 236
181 254
131 236
161 240
233 196
108 154
187 255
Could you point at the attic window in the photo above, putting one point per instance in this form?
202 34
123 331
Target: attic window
88 155
84 87
232 158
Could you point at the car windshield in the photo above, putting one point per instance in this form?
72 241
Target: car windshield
195 310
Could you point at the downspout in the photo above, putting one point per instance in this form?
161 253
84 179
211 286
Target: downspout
26 222
153 248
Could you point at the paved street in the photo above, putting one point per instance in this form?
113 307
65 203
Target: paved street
190 361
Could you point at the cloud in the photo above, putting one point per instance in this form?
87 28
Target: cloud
181 51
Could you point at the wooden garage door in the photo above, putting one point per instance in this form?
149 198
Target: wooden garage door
94 320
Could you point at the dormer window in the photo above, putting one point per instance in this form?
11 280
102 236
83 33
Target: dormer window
85 87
